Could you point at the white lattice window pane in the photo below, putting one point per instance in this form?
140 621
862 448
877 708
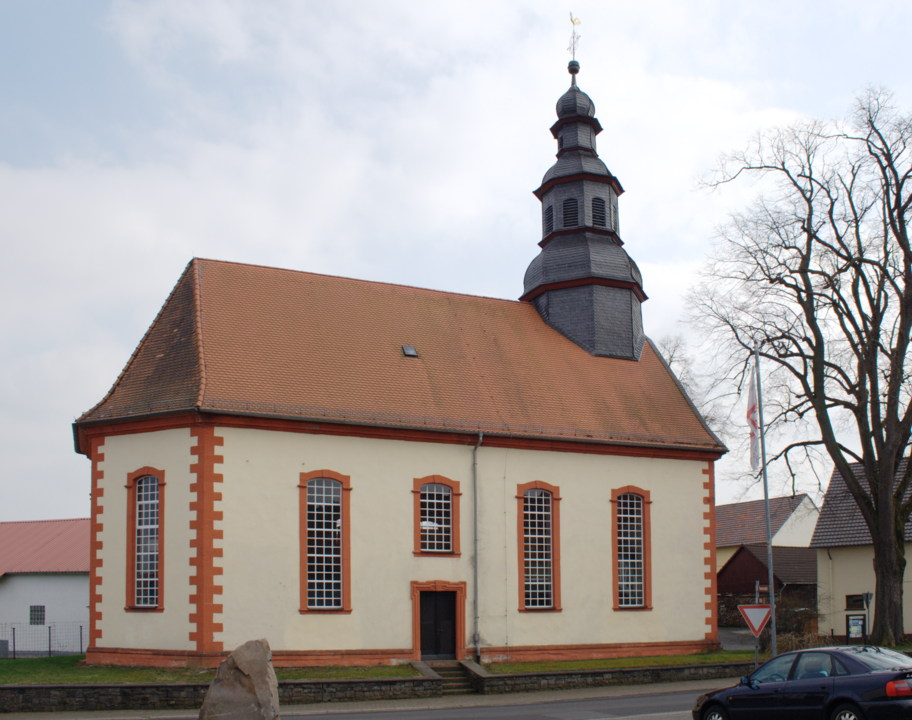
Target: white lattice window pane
436 518
147 528
537 548
324 543
630 550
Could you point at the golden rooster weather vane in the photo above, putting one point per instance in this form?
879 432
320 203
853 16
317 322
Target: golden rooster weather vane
575 38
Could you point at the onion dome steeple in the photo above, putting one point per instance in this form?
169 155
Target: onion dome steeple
583 283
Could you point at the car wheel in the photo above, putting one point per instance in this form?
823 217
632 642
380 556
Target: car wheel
716 712
847 712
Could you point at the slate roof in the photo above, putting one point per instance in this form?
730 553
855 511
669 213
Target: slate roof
266 341
840 522
44 546
790 564
744 523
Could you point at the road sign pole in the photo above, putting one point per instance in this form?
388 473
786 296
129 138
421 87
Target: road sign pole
756 639
769 534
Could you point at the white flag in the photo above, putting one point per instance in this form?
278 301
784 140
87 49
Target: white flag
752 421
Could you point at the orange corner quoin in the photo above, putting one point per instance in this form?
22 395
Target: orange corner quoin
95 562
709 574
207 555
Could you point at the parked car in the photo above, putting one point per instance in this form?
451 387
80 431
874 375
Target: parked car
833 683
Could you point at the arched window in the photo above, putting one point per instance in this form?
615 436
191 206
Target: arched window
571 212
598 212
145 539
436 515
549 220
325 546
539 546
631 541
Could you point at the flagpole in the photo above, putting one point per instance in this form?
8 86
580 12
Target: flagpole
766 499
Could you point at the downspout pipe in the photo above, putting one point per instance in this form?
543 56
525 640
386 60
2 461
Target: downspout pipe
476 638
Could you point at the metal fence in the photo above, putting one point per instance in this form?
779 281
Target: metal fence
18 640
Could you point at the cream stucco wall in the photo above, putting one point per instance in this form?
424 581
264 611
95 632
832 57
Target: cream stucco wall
261 579
849 571
167 450
724 554
798 529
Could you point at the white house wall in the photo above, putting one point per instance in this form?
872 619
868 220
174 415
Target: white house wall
798 529
65 597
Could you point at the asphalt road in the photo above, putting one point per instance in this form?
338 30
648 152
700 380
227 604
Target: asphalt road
671 706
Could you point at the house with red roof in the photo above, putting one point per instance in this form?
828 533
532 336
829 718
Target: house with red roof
370 473
44 583
792 522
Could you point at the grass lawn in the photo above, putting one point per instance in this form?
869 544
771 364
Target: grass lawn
719 657
72 669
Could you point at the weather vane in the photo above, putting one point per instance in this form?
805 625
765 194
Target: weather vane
575 38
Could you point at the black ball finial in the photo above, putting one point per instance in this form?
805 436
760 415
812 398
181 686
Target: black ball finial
573 67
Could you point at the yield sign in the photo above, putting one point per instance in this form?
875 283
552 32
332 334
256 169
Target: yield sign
757 616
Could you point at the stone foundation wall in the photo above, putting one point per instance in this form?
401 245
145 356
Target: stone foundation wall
189 696
489 683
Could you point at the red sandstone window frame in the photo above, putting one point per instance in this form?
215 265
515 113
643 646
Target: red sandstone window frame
345 481
647 549
455 497
132 478
554 490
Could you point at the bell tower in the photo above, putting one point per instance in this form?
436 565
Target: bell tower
583 283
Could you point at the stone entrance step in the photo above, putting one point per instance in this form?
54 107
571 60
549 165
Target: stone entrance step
455 679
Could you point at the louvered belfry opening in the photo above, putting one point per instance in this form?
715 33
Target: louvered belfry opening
571 213
599 218
549 220
583 283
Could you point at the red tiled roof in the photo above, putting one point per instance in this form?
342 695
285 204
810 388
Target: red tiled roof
44 546
251 339
744 523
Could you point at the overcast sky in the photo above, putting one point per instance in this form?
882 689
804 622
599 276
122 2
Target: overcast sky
393 141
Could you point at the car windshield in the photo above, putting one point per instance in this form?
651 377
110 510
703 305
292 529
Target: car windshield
877 658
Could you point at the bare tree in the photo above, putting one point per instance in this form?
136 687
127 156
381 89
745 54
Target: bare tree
818 270
699 387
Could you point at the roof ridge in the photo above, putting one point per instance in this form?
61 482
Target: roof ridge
201 355
142 344
760 500
360 280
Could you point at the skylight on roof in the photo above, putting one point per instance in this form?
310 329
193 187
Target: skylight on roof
409 351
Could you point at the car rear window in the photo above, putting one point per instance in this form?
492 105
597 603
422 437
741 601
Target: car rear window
875 658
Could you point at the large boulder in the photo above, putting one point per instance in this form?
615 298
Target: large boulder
245 686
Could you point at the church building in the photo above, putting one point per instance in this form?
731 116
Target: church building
365 473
